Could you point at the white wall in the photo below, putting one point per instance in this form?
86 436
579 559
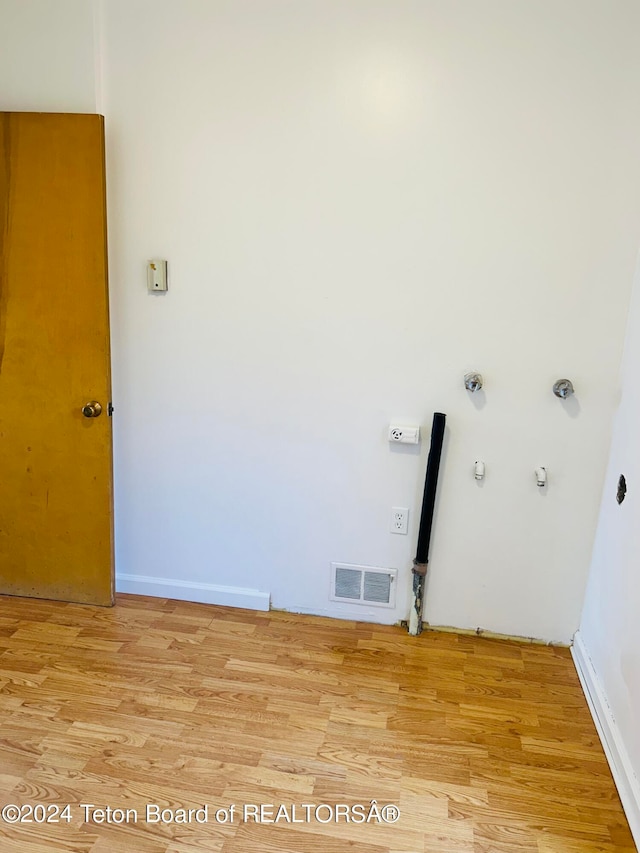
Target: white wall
609 636
358 202
47 56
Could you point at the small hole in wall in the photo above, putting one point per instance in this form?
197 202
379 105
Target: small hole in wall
622 489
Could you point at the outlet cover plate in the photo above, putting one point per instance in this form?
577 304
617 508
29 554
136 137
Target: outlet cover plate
400 519
404 434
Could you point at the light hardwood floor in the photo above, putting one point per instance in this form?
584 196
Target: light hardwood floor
486 746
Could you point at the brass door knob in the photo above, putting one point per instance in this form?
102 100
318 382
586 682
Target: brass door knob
92 410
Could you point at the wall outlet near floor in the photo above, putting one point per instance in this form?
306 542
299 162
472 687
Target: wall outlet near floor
399 519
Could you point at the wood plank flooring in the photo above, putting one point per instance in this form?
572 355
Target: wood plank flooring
485 746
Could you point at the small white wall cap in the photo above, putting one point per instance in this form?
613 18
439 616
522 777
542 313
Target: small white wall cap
541 477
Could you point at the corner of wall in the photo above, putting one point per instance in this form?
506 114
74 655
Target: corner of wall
619 761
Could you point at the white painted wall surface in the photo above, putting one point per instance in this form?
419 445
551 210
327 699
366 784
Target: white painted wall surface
610 626
359 201
47 56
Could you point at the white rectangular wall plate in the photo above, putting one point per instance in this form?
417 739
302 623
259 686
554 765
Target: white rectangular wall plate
404 434
156 276
399 520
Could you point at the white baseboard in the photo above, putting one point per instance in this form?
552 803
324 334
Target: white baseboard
614 747
204 593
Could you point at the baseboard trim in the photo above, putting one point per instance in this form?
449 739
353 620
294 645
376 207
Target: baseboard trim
609 733
203 593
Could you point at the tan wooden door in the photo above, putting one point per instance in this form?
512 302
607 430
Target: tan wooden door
55 462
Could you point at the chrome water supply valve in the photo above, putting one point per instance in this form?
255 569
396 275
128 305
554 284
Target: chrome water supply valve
563 388
473 381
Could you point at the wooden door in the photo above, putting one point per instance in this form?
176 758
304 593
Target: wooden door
55 462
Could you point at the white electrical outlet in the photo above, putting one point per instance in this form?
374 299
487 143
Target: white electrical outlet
399 519
404 434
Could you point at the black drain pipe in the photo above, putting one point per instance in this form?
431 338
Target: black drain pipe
426 522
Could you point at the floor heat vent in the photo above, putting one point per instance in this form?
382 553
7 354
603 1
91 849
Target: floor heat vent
363 585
